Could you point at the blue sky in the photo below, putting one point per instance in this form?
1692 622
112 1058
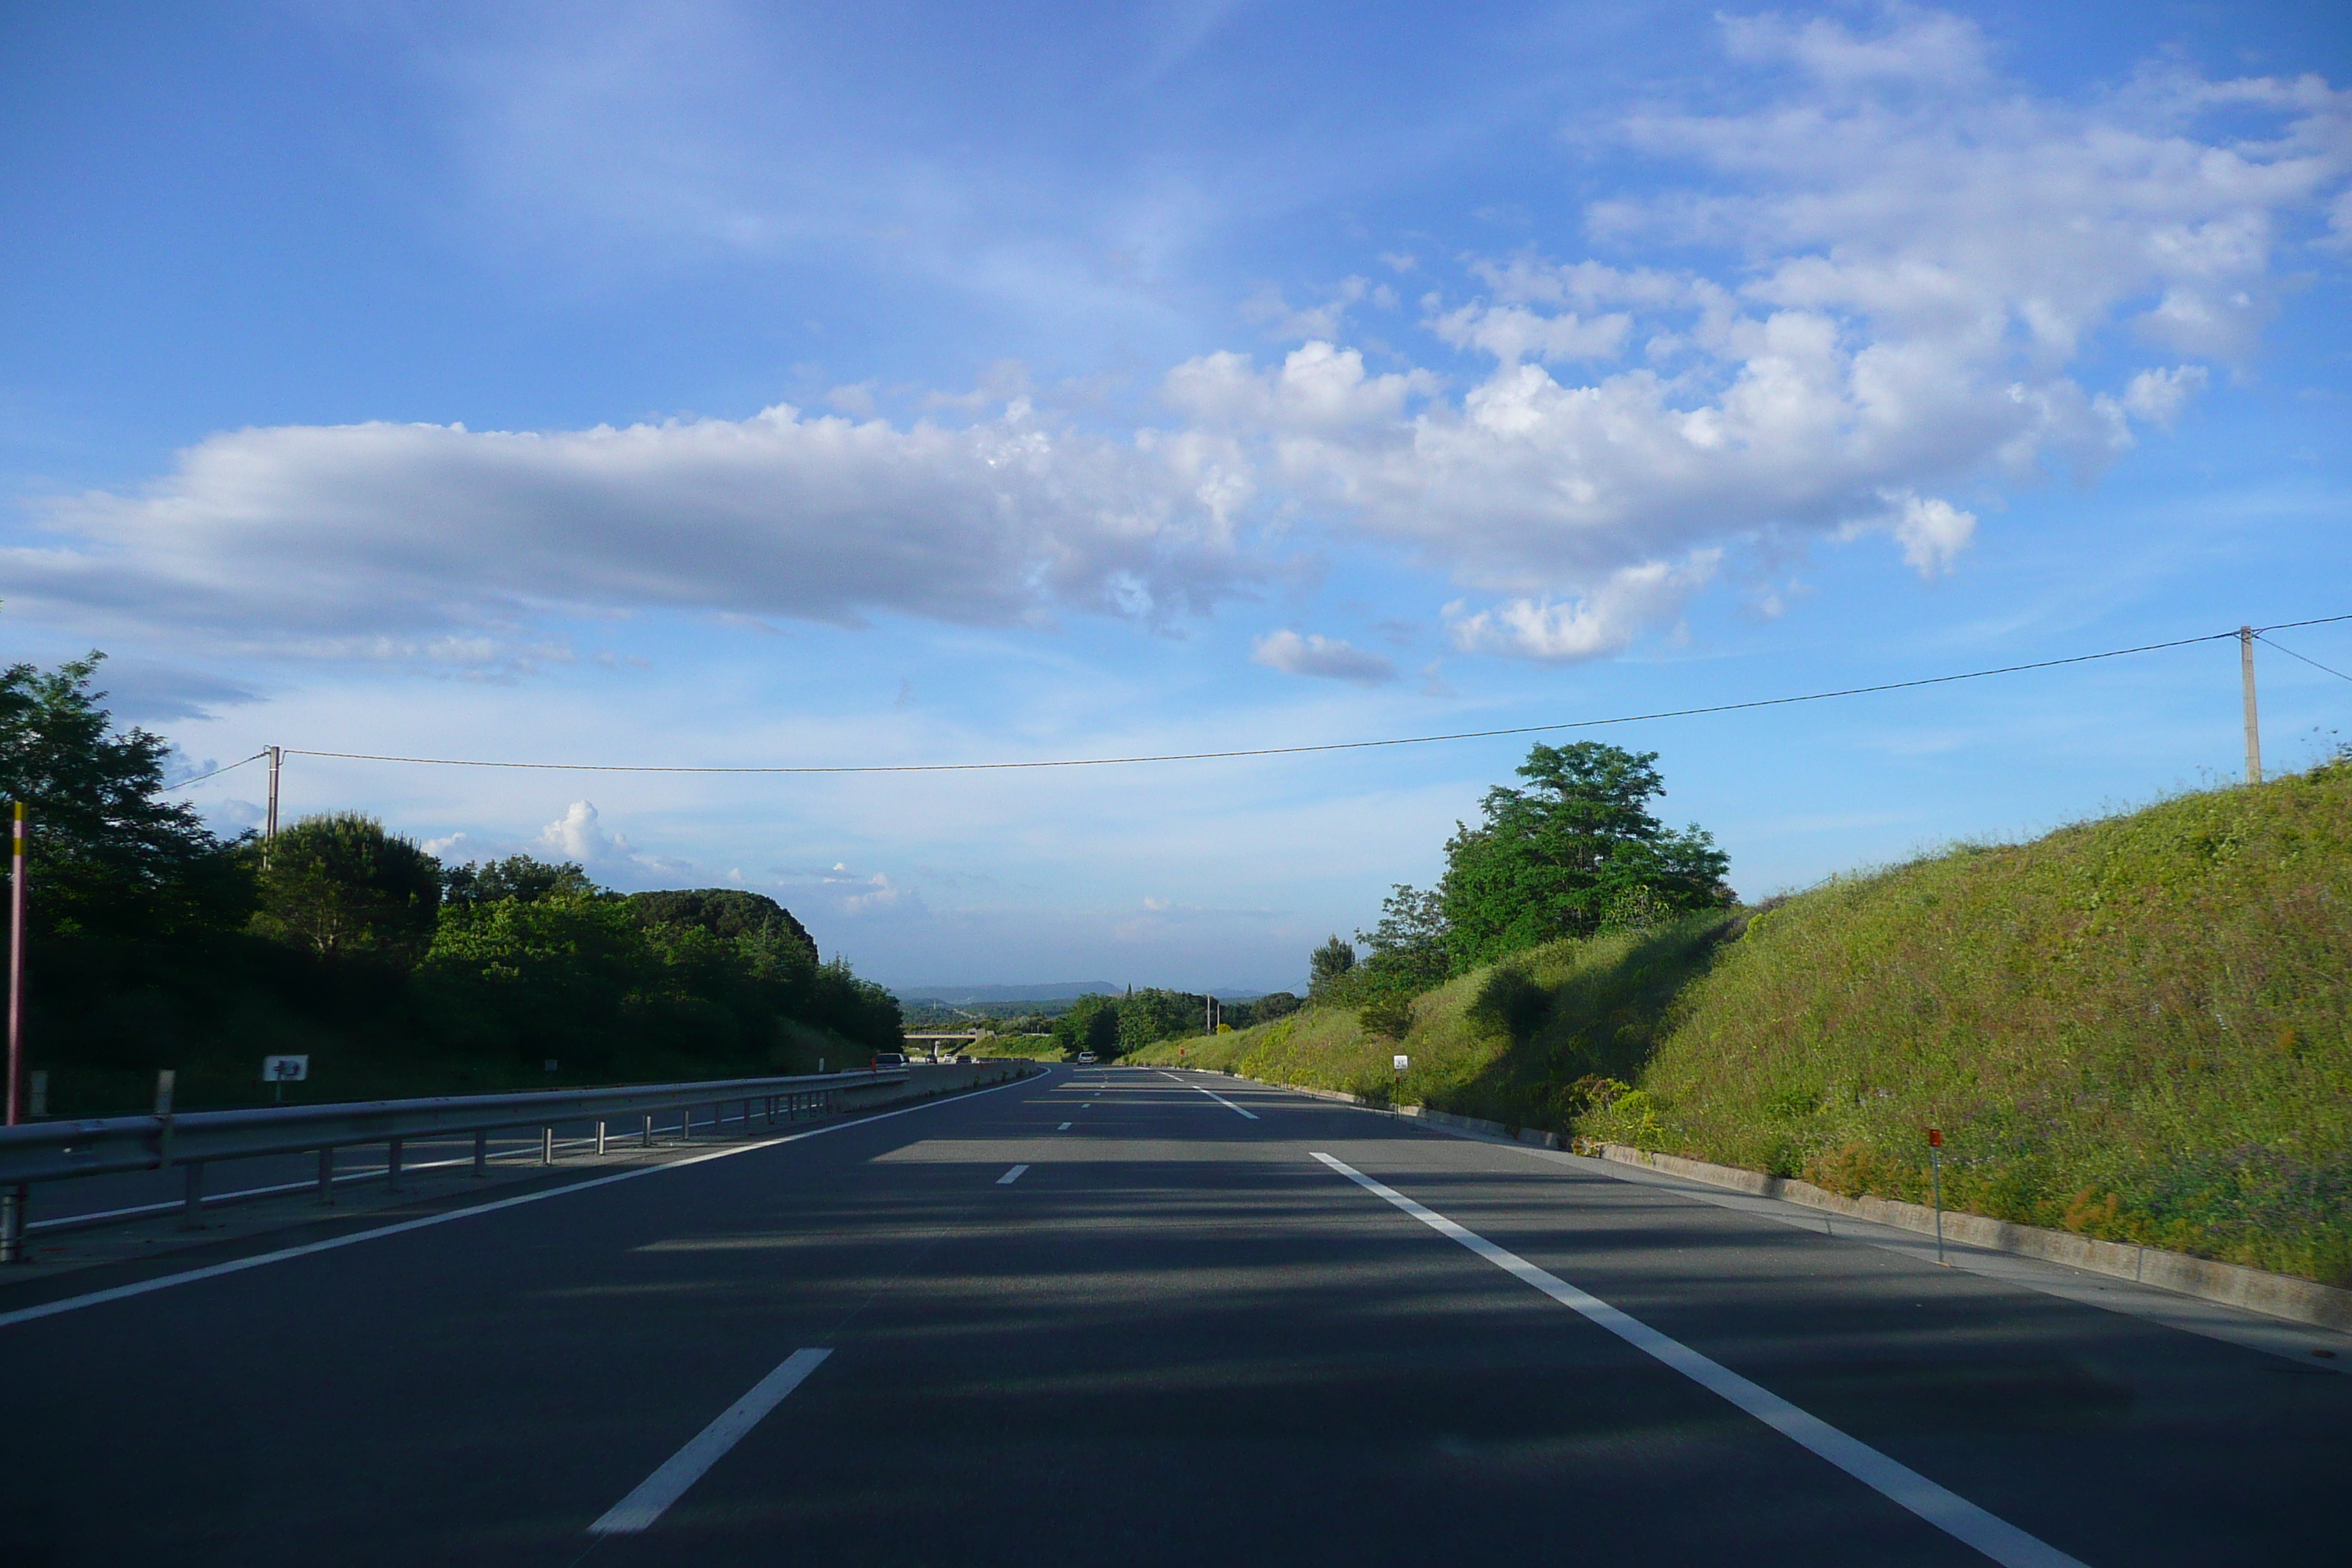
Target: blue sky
714 384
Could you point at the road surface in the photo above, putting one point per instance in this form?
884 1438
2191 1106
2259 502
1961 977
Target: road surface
1117 1316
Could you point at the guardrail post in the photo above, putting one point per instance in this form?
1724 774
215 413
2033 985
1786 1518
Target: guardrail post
12 1224
327 1177
481 1153
391 1166
547 1145
600 1138
192 1195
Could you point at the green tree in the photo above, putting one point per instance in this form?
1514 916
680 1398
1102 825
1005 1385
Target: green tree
109 859
1091 1024
338 885
724 911
519 877
1328 966
1408 946
1553 859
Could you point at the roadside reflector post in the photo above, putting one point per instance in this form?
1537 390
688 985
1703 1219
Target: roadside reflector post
600 1138
391 1166
12 1224
327 1177
547 1145
481 1153
165 1079
649 1129
192 1195
1936 1173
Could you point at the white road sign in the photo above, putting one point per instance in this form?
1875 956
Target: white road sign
285 1069
1402 1063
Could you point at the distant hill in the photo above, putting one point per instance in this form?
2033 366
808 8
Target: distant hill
1057 991
973 995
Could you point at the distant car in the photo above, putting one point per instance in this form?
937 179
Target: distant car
1085 1057
889 1059
963 1061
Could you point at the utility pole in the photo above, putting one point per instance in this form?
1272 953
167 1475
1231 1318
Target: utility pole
16 965
269 827
2254 728
12 1198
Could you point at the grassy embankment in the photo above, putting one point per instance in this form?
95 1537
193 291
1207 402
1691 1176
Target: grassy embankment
2134 1028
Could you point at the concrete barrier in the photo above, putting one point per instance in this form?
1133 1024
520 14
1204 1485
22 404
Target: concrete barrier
2231 1284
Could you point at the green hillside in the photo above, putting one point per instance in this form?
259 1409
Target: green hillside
2134 1028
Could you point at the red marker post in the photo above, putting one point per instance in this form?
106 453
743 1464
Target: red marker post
1935 1169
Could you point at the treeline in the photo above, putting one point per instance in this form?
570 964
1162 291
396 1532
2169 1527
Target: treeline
156 944
1113 1025
1576 853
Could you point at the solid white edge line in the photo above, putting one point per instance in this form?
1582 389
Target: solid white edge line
1220 1099
1011 1176
238 1265
1947 1510
653 1495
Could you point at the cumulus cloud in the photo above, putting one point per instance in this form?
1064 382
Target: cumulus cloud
1916 261
425 541
1320 656
1900 281
1602 622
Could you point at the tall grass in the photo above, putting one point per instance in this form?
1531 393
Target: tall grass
2133 1028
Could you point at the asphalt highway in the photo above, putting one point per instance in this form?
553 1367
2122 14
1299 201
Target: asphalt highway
1114 1316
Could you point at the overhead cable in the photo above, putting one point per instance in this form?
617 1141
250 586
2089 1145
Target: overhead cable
1321 746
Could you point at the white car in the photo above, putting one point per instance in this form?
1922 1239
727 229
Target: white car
1086 1058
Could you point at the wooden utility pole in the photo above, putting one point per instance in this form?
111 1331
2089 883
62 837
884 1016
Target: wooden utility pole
16 965
2254 728
270 823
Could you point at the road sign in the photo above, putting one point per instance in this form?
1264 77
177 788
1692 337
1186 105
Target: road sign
285 1069
1402 1063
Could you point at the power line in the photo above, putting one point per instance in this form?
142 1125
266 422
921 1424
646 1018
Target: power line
2313 662
1295 751
217 772
1298 750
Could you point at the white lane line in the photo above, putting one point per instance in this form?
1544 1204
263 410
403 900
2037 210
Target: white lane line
1065 1126
1947 1512
1220 1099
238 1265
634 1512
1011 1176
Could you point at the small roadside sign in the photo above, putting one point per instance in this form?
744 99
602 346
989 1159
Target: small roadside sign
1402 1063
285 1069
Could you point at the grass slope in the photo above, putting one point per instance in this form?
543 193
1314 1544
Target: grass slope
2134 1029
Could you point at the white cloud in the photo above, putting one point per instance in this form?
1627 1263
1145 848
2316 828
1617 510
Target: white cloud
1315 654
580 835
2159 395
1932 533
1602 622
433 542
1898 269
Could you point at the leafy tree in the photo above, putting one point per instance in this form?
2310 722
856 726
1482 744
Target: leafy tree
722 912
1326 966
338 884
1552 859
1152 1014
1408 947
1091 1024
109 859
520 877
1265 1009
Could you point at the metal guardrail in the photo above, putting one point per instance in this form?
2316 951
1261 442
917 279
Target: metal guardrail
65 1149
